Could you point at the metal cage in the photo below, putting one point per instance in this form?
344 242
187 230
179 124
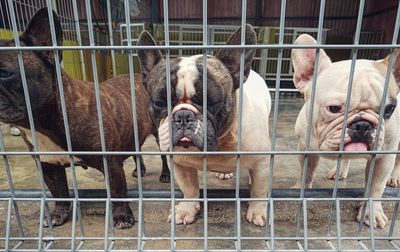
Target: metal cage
320 219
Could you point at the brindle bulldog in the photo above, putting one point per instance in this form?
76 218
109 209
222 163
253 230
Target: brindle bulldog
82 115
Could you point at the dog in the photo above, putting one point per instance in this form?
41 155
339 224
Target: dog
223 78
361 130
81 111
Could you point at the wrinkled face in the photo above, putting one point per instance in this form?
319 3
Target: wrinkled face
331 92
187 108
39 82
187 101
365 102
38 68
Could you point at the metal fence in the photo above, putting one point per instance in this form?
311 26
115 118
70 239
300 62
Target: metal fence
331 232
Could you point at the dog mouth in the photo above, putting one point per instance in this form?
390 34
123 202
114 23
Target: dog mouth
356 146
185 142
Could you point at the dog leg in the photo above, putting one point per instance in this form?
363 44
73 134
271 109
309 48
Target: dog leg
165 175
344 170
311 166
56 180
257 210
383 167
122 214
142 167
394 179
188 181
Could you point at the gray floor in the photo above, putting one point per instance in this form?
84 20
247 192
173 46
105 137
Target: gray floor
221 216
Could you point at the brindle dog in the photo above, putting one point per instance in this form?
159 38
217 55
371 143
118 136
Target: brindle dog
82 116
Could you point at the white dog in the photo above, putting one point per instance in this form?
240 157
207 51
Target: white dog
361 130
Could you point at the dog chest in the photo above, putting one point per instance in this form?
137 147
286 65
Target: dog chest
46 144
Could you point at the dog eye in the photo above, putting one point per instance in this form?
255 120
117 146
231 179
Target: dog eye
5 74
211 104
159 104
389 110
334 109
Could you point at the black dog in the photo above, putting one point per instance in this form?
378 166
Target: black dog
82 116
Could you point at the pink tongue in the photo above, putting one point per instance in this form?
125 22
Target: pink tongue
356 147
185 140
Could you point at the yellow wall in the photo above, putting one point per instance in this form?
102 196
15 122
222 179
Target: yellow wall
72 61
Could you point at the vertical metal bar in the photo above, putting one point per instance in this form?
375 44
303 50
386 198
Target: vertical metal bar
100 119
241 80
371 227
111 37
3 16
169 108
8 224
8 15
107 218
24 15
29 110
205 95
272 222
78 37
394 41
74 208
276 104
61 12
338 225
135 127
31 9
18 19
305 224
41 218
311 111
347 105
64 110
70 18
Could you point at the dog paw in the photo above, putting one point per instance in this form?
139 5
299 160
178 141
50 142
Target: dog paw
165 178
123 221
185 212
342 174
394 179
379 217
257 213
393 182
58 217
224 176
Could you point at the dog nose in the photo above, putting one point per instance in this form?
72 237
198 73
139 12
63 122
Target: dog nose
361 126
184 117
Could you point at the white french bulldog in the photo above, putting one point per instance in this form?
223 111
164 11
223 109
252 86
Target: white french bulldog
366 99
223 73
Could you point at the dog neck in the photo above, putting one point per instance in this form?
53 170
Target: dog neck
49 118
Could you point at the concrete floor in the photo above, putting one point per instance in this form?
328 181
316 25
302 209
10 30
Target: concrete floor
221 219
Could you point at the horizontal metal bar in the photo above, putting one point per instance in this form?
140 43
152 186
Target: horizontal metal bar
173 153
205 47
199 250
343 194
185 238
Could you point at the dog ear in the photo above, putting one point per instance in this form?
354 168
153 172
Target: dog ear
148 58
38 34
231 57
303 63
396 65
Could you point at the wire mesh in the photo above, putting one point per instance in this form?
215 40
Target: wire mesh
302 219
